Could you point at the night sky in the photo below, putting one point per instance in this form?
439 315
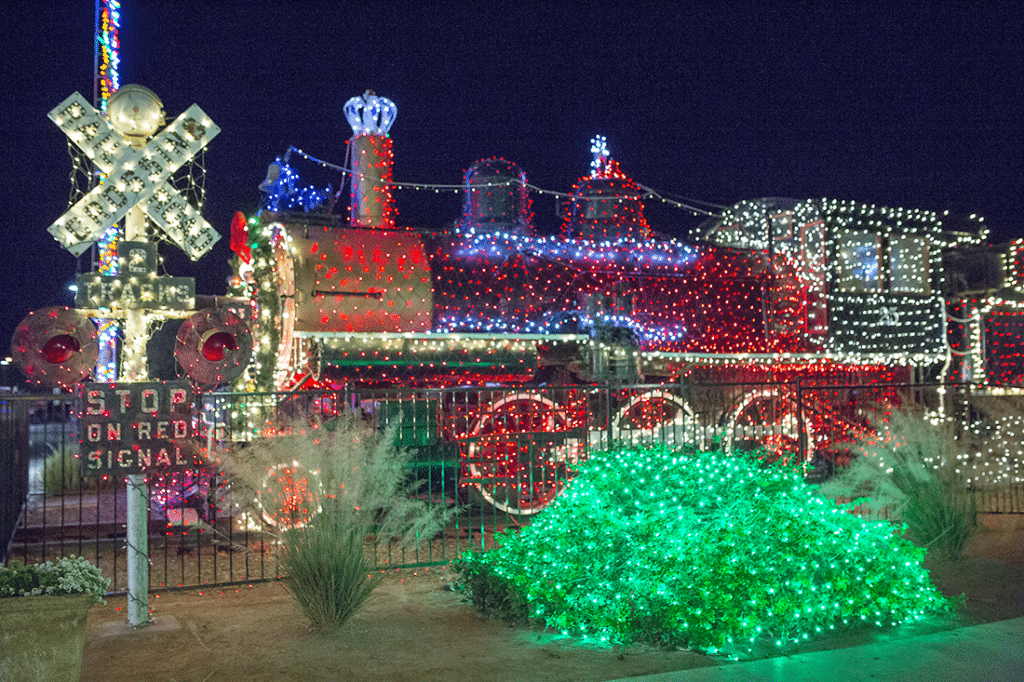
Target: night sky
915 104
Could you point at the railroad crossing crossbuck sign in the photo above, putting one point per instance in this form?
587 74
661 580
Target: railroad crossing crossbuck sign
135 177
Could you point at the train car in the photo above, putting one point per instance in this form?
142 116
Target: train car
771 293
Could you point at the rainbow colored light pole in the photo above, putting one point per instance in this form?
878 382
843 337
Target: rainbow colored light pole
106 81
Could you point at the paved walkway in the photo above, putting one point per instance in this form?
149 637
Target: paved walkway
984 653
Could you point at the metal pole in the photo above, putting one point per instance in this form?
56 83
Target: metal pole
138 550
133 368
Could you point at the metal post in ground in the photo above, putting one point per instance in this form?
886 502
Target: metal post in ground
138 550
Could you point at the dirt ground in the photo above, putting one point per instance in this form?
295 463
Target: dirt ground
415 628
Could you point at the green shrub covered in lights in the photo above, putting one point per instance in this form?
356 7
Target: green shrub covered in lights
702 551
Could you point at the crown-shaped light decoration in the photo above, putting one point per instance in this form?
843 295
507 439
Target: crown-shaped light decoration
370 114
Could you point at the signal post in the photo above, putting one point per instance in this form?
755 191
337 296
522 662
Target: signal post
133 426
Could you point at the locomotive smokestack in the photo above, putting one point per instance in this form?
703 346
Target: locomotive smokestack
372 158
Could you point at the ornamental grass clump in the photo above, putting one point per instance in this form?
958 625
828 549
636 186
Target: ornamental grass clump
62 472
702 551
69 575
911 465
329 494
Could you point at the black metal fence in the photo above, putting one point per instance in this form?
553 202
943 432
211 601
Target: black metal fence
499 455
14 459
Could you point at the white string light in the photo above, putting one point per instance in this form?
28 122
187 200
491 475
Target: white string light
455 189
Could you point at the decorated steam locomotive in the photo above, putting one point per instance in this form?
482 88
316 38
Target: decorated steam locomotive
774 281
773 291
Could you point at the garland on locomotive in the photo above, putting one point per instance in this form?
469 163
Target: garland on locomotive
815 292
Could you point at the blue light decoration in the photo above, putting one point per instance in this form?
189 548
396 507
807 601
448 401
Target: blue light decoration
283 192
564 261
371 118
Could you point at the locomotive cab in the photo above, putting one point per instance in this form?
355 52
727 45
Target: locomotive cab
859 289
884 288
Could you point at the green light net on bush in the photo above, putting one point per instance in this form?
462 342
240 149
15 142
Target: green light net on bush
701 551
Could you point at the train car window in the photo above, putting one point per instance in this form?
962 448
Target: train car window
814 250
782 225
908 261
858 262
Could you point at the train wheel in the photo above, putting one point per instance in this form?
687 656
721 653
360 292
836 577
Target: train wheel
517 458
770 423
289 496
655 417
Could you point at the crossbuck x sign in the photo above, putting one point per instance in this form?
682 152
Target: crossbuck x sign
135 177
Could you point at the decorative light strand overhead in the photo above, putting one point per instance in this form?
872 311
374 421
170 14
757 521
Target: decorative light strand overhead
456 189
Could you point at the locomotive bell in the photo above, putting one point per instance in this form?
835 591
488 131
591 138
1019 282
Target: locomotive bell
606 208
606 204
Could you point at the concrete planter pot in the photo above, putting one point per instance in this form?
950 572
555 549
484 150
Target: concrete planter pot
43 638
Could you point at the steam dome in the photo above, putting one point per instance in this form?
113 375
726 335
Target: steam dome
496 196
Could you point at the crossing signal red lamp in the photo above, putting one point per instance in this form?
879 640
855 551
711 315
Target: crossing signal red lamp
55 347
218 345
213 347
61 348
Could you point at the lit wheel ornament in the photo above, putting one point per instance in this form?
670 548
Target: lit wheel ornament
657 416
289 496
769 422
521 454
